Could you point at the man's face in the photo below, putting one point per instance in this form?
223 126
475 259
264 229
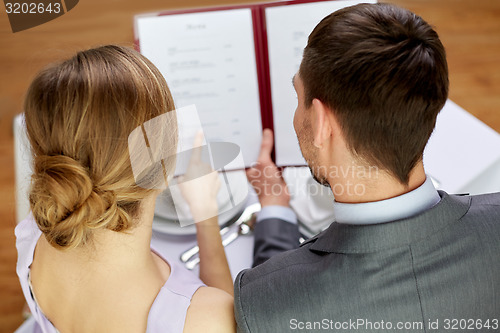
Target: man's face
304 131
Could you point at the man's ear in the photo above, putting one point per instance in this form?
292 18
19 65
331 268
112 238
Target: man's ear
322 129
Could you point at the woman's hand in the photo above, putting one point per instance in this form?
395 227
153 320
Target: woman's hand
199 185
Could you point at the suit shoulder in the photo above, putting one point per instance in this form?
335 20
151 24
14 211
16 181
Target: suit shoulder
485 207
483 216
489 199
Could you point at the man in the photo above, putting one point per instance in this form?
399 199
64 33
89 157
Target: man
400 255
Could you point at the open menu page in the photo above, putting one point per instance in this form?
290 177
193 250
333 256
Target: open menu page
208 59
288 28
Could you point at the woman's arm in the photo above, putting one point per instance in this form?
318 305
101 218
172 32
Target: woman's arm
200 191
214 269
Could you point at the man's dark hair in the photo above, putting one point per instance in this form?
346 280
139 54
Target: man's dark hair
382 70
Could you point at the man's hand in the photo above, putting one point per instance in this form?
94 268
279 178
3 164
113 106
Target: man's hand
266 178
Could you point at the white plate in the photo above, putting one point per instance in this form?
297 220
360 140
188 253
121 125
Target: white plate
167 215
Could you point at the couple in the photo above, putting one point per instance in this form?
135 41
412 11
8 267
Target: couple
371 83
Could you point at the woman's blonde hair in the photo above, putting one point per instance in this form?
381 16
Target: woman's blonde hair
79 114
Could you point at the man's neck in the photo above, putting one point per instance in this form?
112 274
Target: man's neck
372 184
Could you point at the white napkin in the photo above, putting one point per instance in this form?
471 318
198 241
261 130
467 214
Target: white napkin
312 202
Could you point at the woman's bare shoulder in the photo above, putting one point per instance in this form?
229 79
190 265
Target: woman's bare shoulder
211 310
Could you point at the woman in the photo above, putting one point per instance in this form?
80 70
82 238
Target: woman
85 262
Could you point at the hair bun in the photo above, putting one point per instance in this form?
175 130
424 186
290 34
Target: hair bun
66 204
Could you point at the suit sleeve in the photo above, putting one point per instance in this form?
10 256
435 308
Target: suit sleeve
273 236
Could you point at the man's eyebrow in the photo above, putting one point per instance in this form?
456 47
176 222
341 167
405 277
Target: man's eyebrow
293 81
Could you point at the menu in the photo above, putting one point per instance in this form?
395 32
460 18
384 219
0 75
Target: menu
235 64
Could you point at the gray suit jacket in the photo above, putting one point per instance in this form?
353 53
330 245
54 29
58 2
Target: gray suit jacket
429 271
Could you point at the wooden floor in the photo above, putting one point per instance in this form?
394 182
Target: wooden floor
469 29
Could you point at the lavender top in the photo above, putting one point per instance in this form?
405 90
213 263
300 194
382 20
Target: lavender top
167 314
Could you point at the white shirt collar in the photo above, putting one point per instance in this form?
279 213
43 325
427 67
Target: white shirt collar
409 204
